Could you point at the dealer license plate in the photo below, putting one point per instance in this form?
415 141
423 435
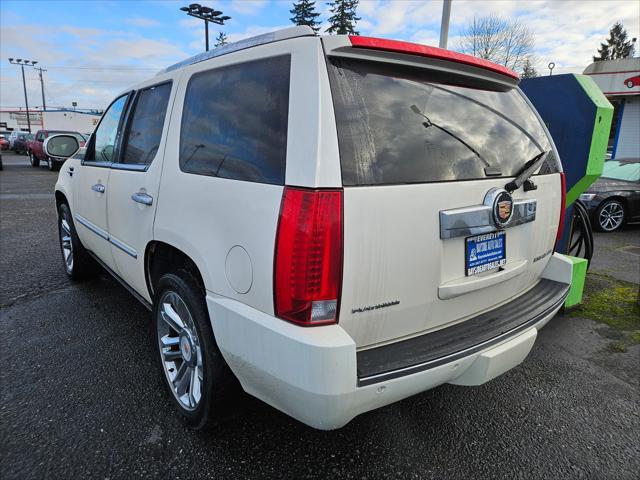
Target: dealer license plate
485 252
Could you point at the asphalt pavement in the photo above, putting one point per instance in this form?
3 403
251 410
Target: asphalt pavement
81 393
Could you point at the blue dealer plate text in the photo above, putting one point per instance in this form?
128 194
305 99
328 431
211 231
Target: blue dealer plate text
485 252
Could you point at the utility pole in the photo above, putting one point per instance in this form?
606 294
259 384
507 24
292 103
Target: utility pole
40 70
444 25
208 15
22 63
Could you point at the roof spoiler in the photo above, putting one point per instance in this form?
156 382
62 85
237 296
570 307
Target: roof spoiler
278 35
482 71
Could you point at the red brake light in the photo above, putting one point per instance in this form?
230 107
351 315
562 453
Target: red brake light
308 256
427 51
563 207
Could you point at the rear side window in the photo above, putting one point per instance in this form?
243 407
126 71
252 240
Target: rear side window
399 125
234 122
142 139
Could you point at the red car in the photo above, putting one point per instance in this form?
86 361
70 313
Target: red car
36 152
632 81
4 143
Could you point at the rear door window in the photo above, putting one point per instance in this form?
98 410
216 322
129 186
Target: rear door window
142 138
234 122
399 125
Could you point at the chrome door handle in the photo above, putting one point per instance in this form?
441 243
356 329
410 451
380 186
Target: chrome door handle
98 187
143 198
70 171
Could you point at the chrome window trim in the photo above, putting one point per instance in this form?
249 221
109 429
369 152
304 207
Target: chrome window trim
478 219
105 235
93 163
134 167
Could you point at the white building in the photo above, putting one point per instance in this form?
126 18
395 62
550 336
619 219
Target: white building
56 119
619 80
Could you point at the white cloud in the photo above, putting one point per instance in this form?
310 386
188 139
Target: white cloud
253 31
87 65
142 22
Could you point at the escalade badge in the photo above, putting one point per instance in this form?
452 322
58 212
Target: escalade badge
501 203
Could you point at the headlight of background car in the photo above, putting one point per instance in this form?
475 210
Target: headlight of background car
587 197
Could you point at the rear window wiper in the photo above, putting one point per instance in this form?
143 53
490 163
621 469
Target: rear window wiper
526 171
489 170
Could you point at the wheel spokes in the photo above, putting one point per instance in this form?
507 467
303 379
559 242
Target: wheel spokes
168 341
65 227
182 380
171 318
180 350
171 355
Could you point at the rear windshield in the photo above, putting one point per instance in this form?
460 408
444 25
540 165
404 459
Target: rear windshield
398 125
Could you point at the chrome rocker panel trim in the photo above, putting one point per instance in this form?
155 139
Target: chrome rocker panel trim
105 235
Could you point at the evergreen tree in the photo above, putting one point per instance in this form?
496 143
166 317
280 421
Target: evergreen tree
221 40
304 13
343 21
528 70
617 45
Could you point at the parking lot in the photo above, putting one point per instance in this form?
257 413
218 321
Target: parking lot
81 394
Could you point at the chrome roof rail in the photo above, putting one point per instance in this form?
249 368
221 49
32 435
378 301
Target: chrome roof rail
284 34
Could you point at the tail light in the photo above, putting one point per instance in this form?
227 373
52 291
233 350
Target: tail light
308 256
563 207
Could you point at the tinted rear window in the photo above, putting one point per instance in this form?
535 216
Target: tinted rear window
398 125
234 122
145 131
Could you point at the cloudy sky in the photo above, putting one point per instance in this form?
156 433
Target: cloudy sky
94 49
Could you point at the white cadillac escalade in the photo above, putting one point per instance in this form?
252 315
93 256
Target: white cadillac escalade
338 222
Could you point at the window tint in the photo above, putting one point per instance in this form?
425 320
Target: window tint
143 136
106 133
399 125
234 123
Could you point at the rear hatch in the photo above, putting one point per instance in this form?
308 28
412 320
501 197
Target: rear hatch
417 143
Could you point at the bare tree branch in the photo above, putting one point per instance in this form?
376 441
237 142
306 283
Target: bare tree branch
507 42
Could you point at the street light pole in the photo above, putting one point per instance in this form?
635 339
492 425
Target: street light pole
208 15
22 63
206 35
444 24
26 102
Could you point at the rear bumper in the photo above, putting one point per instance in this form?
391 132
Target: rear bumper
315 374
462 339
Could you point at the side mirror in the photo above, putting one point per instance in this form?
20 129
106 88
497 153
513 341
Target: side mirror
61 146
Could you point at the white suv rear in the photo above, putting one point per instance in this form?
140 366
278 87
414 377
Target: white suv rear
337 222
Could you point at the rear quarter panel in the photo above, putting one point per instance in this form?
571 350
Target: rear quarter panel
206 216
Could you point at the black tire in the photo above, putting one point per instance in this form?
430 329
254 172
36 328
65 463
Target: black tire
82 266
218 386
35 162
610 208
53 165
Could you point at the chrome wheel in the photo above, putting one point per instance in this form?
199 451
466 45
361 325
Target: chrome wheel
180 350
611 216
66 242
